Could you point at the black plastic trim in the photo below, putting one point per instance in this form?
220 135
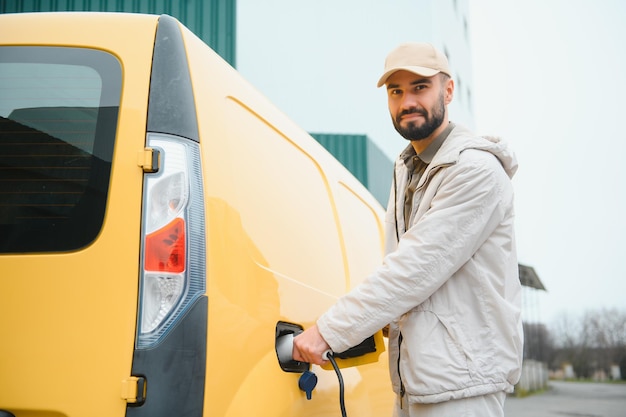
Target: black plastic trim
363 348
175 369
171 106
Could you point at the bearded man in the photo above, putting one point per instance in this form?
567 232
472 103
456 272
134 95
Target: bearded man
448 288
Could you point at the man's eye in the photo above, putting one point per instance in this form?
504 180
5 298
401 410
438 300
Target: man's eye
395 92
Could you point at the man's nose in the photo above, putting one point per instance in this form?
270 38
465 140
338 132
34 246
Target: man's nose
408 102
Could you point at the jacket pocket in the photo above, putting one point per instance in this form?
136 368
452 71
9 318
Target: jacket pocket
433 355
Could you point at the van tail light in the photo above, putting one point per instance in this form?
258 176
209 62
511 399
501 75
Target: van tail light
173 240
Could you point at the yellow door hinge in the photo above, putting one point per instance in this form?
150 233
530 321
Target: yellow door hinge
149 160
134 389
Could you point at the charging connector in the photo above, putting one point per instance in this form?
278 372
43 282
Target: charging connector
368 351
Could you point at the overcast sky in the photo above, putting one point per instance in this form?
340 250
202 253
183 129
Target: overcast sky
549 77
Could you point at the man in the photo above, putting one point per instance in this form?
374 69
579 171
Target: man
449 285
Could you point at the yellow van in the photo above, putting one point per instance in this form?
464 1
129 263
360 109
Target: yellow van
162 226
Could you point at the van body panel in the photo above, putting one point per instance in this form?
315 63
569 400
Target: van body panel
288 231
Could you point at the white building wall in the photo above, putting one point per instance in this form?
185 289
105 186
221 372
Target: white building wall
319 61
453 37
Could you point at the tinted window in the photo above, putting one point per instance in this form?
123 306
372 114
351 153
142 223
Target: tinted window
58 117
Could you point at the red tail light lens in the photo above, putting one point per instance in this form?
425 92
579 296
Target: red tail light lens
165 248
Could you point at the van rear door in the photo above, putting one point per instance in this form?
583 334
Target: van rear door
73 105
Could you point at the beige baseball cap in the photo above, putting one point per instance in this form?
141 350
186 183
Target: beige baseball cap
416 57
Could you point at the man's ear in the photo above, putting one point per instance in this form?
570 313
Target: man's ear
449 91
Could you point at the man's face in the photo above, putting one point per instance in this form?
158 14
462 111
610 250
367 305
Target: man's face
417 104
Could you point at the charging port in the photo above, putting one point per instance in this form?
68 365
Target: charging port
363 348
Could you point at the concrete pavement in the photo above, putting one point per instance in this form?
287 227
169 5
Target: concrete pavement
571 399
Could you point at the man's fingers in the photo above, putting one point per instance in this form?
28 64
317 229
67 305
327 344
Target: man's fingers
309 346
304 354
296 354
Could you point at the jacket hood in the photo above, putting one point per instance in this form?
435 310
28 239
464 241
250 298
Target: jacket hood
501 149
461 139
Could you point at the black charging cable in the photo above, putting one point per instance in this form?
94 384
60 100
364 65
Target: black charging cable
342 404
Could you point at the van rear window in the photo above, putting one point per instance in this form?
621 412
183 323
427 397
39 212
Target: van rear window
58 118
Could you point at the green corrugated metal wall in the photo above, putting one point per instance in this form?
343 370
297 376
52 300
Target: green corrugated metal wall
350 150
214 21
363 159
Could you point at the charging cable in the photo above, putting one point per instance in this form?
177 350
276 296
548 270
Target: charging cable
328 355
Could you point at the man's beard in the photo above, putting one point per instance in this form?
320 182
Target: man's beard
431 123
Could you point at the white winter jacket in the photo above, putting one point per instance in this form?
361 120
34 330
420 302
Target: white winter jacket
449 284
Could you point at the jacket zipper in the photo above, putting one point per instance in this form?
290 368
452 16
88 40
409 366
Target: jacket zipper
402 390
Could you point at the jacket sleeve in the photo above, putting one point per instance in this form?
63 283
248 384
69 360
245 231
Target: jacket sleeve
468 205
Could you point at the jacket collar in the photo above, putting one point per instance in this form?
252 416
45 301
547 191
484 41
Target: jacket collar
429 153
461 139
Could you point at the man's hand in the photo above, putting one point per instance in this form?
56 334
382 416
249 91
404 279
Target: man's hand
309 346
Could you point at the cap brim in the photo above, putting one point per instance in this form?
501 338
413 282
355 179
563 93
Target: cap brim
423 71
